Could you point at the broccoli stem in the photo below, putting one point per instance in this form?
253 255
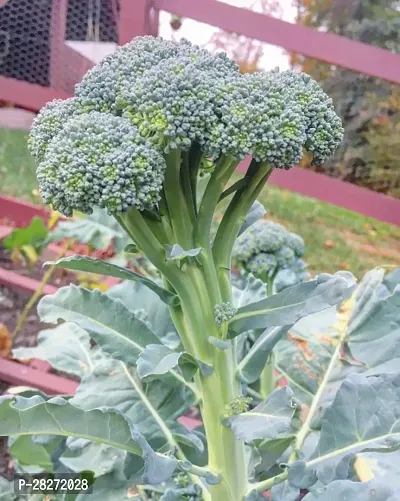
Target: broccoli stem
267 379
195 156
194 320
187 186
176 201
136 227
215 187
233 219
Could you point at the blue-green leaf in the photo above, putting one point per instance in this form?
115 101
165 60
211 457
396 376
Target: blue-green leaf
112 325
91 265
287 307
20 416
268 420
176 252
256 212
252 365
157 360
99 230
66 348
342 490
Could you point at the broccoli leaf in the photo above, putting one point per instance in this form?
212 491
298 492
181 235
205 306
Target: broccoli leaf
66 348
91 265
360 491
365 416
374 326
252 365
136 296
266 421
293 303
150 407
176 252
116 329
98 230
256 212
21 416
157 360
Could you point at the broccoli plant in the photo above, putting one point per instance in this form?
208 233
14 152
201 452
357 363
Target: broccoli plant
272 254
143 125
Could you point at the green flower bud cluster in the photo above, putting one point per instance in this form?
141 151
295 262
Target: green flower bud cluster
224 312
266 248
237 406
106 146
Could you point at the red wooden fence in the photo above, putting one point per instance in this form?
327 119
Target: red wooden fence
140 17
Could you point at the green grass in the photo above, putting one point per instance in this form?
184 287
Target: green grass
17 168
335 238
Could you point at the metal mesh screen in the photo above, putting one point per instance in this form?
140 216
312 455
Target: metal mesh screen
32 44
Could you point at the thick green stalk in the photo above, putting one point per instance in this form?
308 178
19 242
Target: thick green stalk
267 379
176 201
135 225
218 390
215 187
233 220
226 454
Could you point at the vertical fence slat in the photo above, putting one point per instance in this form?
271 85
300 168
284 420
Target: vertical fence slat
57 32
135 19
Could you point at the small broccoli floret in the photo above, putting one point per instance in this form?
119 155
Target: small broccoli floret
47 124
262 263
224 312
296 243
267 248
99 159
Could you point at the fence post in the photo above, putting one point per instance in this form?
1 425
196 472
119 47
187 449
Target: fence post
57 43
136 18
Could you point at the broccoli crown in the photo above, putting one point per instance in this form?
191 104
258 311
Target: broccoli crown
105 145
267 247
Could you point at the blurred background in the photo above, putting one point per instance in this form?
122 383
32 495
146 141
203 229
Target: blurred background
47 45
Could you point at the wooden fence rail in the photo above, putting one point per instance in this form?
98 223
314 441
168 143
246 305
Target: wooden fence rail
140 17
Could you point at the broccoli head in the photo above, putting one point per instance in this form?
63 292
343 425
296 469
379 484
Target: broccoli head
104 146
270 252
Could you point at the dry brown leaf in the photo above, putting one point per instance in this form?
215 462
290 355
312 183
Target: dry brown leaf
5 341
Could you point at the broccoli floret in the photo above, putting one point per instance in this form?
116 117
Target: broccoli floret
262 263
98 159
267 248
48 123
224 312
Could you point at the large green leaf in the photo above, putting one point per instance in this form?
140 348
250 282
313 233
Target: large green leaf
374 327
293 303
152 407
66 348
98 229
343 490
20 416
305 354
252 365
117 330
365 415
98 458
136 296
28 452
91 265
268 420
157 360
252 291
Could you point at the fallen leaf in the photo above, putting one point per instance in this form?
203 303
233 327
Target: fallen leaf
5 341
